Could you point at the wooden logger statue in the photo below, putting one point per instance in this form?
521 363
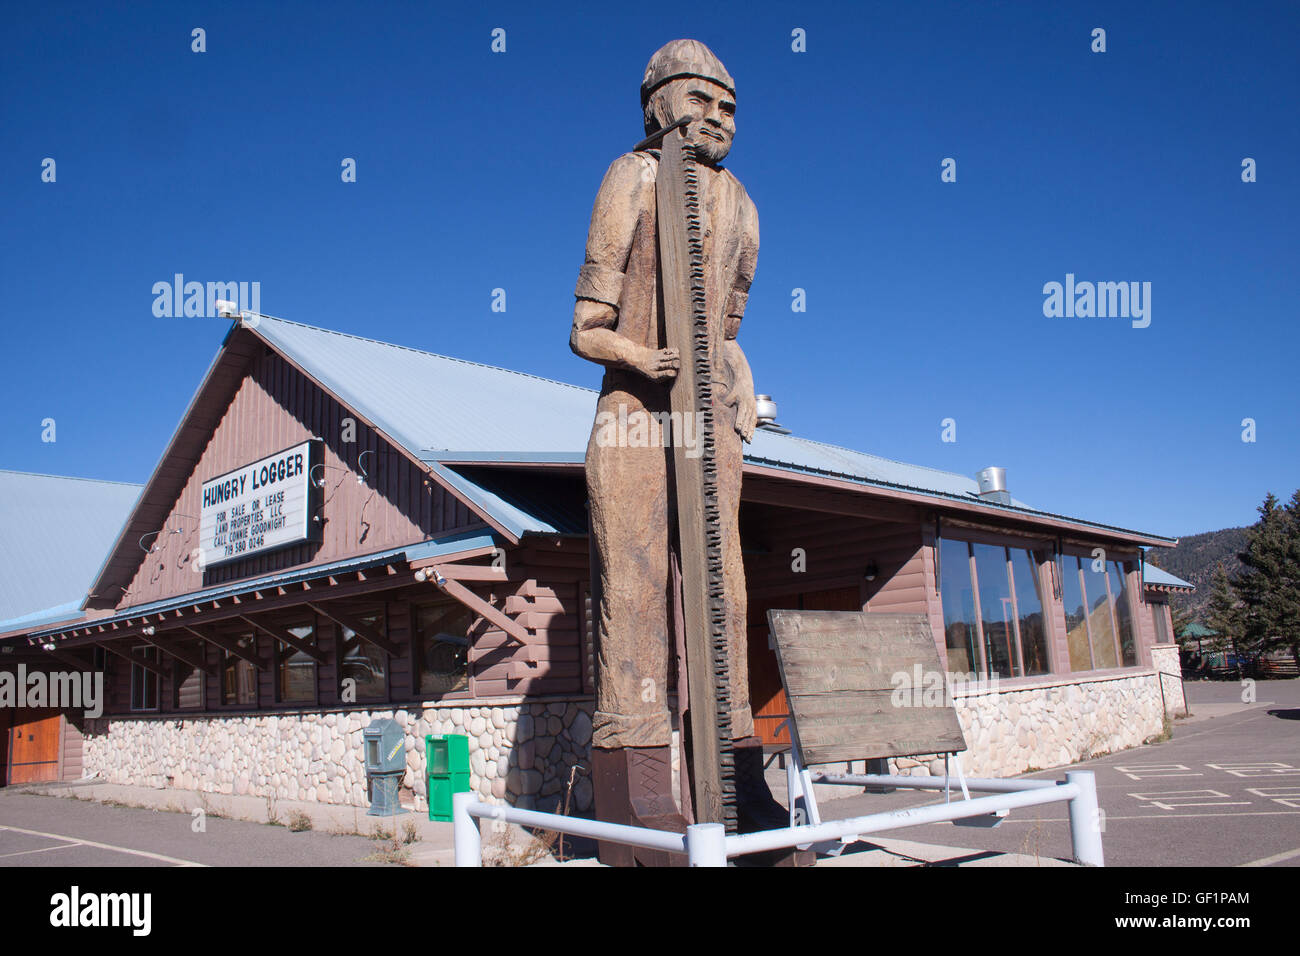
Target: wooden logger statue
670 256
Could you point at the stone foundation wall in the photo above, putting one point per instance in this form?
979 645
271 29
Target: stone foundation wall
520 752
1166 660
1051 723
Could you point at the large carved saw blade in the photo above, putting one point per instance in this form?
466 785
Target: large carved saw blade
686 324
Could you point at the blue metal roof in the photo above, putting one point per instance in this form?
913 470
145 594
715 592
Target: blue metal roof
446 409
56 531
449 544
430 403
449 410
1153 575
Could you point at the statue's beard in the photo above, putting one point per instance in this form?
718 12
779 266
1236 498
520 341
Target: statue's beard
710 150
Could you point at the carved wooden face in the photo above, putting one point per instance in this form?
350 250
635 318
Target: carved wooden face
713 112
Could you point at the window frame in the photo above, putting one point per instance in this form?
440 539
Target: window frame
1034 548
137 672
381 608
284 651
1126 565
417 651
229 659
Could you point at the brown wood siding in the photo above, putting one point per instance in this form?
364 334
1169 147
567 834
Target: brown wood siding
837 551
545 594
274 407
71 763
549 604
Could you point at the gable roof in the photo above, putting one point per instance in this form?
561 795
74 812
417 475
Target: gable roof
449 412
1158 577
453 415
56 531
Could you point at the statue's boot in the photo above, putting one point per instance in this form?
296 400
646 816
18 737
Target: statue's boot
634 786
757 809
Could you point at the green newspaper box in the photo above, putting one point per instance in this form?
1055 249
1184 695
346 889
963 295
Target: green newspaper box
446 763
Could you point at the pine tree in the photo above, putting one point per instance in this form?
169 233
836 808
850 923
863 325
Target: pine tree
1224 612
1288 601
1269 584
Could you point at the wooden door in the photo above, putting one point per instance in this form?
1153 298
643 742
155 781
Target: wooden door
6 732
34 748
766 696
766 693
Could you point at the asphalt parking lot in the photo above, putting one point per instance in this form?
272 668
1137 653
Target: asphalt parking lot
47 831
1225 791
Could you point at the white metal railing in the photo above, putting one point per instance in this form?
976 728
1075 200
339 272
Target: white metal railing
708 844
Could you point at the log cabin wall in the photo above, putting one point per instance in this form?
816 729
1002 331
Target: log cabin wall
276 406
837 550
545 592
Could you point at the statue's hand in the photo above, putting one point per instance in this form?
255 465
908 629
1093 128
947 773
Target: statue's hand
658 365
746 414
741 395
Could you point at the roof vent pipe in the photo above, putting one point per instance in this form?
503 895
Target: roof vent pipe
765 408
993 485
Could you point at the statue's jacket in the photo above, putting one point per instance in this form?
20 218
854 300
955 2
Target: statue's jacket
622 266
627 486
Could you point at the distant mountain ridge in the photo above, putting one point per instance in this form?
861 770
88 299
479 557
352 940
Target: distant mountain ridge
1194 560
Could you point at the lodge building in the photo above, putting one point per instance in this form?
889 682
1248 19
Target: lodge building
422 553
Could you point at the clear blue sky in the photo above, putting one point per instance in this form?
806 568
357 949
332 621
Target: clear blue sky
477 170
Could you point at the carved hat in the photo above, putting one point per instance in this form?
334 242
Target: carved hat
684 58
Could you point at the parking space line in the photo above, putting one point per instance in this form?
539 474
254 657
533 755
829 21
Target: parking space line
1141 771
1155 816
103 846
1177 799
1257 769
1275 858
1287 796
44 849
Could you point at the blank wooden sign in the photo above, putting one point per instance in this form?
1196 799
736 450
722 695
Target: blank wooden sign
863 685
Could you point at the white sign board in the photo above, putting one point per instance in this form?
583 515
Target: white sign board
262 506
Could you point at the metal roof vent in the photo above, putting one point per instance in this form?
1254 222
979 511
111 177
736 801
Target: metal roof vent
766 409
993 485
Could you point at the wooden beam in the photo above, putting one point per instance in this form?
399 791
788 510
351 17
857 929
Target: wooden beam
70 659
147 665
360 628
807 498
453 588
97 641
182 656
457 556
227 644
284 637
475 572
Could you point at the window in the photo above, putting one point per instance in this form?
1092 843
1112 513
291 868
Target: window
1123 613
442 647
238 676
958 597
1162 625
295 677
1026 572
1098 613
362 662
144 683
997 610
993 609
